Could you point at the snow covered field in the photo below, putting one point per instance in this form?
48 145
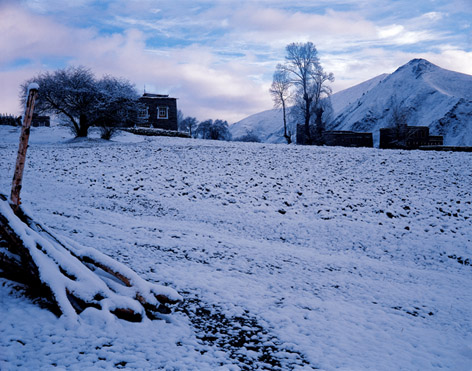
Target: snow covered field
288 257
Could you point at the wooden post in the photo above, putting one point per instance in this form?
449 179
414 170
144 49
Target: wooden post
23 146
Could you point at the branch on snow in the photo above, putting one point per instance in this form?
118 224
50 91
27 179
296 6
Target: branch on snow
71 277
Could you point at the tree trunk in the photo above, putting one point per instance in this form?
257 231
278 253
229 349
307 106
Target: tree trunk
286 136
82 131
307 119
319 125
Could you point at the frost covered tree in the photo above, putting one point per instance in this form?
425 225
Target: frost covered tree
281 95
216 130
188 124
69 93
318 120
248 137
116 105
310 82
81 101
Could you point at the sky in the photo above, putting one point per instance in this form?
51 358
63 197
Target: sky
218 56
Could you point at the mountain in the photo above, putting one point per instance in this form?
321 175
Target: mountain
433 96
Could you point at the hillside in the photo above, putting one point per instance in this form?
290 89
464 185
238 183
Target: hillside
433 96
267 125
341 100
288 257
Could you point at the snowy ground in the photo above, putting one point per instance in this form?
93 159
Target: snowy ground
288 257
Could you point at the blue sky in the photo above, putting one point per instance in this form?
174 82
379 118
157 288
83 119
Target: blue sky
218 56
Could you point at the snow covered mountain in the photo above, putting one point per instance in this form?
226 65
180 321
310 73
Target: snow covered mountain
434 97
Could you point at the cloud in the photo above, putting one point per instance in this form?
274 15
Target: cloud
452 59
399 35
218 57
25 35
279 21
433 16
390 31
193 74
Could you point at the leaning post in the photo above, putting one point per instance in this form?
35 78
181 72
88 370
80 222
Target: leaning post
23 146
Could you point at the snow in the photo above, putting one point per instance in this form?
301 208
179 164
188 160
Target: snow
287 257
435 97
32 86
344 98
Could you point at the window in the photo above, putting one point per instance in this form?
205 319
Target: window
143 113
162 113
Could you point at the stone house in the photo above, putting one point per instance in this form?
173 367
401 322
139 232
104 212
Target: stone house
158 111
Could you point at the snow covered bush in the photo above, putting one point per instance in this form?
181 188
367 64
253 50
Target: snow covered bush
216 130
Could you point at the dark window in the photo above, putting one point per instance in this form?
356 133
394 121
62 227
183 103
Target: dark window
162 113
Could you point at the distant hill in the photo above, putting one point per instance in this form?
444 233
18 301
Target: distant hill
434 97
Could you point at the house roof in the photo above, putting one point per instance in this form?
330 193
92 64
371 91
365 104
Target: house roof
149 95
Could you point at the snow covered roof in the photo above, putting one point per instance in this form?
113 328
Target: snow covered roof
149 95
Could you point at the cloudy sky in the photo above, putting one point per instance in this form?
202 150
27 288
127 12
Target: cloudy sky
218 56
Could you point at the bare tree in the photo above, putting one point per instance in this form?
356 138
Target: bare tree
307 76
80 100
281 95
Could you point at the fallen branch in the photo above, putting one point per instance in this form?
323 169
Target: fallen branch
71 277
